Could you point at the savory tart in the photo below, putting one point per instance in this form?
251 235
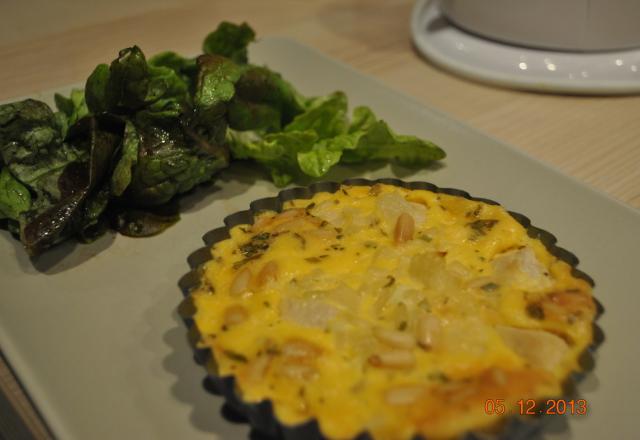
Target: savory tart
392 311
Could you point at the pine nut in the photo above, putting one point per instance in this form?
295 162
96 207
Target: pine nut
427 329
299 371
240 283
268 273
394 338
393 359
258 368
299 348
403 395
235 315
405 227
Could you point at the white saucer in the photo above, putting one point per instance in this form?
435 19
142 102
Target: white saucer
604 73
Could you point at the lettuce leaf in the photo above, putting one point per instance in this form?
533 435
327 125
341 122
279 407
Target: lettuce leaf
229 40
322 137
14 196
278 152
121 177
263 101
374 140
71 109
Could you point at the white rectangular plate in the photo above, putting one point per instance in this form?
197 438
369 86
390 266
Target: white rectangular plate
93 333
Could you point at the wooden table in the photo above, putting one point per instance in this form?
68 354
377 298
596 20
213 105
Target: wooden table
47 44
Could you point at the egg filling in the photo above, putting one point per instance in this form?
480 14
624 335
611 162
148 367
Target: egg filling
392 311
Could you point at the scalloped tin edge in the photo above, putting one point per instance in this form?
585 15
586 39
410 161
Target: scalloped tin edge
261 415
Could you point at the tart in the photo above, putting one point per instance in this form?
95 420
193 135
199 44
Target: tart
390 309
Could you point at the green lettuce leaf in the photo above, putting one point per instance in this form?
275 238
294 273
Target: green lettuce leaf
130 84
229 40
96 90
70 109
327 116
217 76
185 68
14 196
32 150
278 152
63 213
322 137
121 177
170 163
376 141
263 101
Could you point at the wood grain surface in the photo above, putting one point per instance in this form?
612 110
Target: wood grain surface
47 44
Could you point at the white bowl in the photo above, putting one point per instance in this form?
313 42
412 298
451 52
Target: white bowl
580 25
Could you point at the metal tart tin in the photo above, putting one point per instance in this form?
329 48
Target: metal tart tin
261 415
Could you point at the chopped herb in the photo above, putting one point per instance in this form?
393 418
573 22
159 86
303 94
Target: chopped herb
235 356
272 351
344 191
317 259
239 264
323 223
338 230
425 237
439 376
535 311
475 212
390 281
243 229
424 305
224 328
339 236
490 287
267 304
254 248
310 206
481 227
206 286
402 326
303 241
370 244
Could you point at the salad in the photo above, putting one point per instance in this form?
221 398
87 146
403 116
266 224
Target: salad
119 153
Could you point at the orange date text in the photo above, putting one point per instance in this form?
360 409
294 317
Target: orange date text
531 407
